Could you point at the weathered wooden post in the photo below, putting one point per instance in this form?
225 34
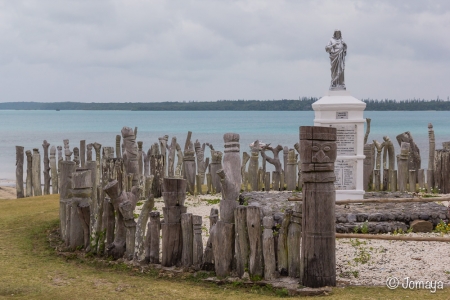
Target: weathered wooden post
171 157
318 152
244 173
163 144
402 167
76 156
65 196
118 148
45 145
282 246
156 169
223 240
140 252
299 167
36 165
19 171
197 252
208 255
189 168
267 182
393 180
53 170
253 166
187 231
29 180
291 170
96 208
294 241
377 180
214 166
388 155
83 153
202 165
140 157
174 194
270 263
153 232
412 180
130 154
431 153
81 199
368 166
97 148
256 260
242 241
124 204
179 168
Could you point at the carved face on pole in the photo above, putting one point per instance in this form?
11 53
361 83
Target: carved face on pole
318 155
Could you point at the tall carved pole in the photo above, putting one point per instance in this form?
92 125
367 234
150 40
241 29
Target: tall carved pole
223 240
29 180
291 170
67 152
54 174
366 136
431 149
179 168
118 149
253 166
156 169
318 151
45 145
76 156
403 170
88 152
140 158
98 147
189 168
163 144
369 150
130 154
202 165
275 161
214 166
37 173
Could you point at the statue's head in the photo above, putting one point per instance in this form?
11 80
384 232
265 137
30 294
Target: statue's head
337 34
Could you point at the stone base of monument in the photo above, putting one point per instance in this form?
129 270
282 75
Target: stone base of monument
341 110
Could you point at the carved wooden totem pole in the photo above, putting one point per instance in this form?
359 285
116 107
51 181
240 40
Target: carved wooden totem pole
130 154
189 168
223 240
369 150
163 147
19 171
402 166
202 165
214 166
156 169
318 152
174 194
291 170
253 166
414 160
83 153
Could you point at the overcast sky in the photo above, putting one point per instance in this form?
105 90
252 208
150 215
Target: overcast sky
139 51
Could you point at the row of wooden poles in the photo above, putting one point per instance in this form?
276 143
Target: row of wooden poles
408 177
158 162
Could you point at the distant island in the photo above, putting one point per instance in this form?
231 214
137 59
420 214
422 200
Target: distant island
303 104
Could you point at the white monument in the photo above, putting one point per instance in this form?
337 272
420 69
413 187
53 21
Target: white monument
340 110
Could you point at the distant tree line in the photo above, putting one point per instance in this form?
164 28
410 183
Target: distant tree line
303 104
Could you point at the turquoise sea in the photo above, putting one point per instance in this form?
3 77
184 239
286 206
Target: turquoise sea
30 128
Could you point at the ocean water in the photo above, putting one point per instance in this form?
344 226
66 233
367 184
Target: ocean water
30 128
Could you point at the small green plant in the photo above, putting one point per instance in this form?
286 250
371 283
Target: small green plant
365 227
139 203
398 231
136 216
356 229
213 201
282 292
355 273
442 227
410 229
256 278
245 203
154 208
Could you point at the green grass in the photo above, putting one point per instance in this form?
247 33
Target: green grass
31 269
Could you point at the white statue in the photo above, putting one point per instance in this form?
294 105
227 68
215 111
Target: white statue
337 49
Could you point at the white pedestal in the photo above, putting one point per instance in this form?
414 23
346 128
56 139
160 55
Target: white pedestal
339 109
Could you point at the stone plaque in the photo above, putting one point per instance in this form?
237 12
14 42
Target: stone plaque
346 139
345 172
342 115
